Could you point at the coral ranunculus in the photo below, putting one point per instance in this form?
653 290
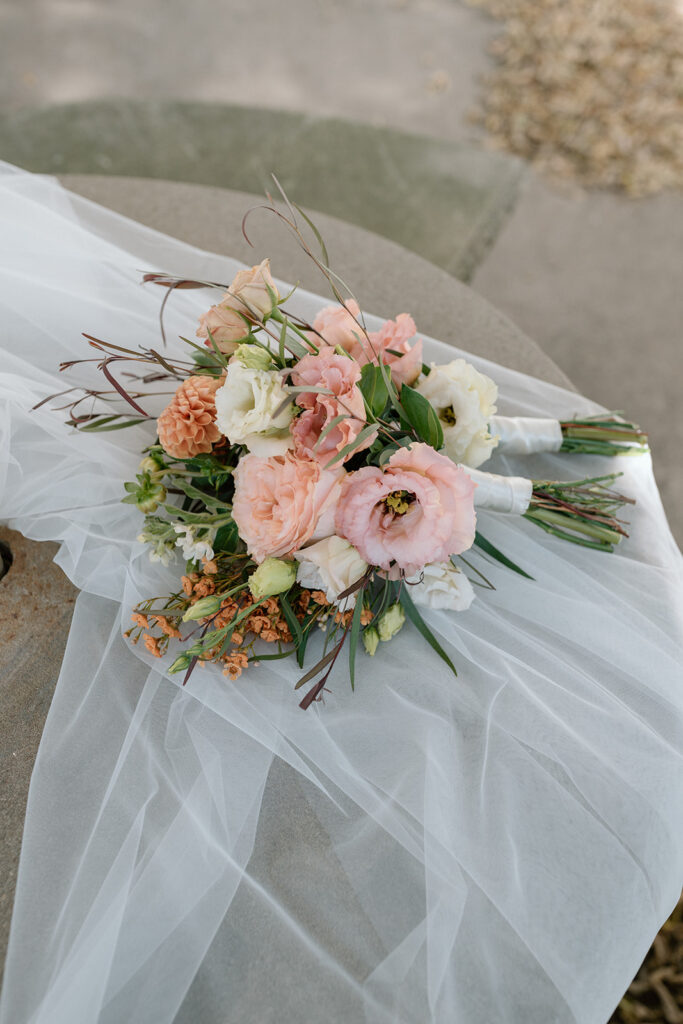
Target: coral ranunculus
281 503
187 426
340 375
419 509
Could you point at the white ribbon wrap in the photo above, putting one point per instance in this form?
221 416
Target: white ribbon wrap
501 493
524 435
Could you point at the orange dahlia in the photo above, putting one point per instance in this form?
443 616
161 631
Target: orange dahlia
187 426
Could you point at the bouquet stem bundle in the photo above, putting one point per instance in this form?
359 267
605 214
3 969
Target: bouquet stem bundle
580 511
607 436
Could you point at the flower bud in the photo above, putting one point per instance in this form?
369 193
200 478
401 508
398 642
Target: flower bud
204 607
181 663
149 496
370 640
253 356
152 466
391 621
272 577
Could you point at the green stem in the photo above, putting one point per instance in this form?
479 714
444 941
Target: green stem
582 526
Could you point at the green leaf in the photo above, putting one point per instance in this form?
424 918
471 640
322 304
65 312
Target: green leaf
490 549
422 417
353 639
318 667
419 623
191 491
374 388
227 538
291 619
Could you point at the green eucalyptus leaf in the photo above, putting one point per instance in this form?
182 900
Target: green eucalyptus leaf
422 417
374 388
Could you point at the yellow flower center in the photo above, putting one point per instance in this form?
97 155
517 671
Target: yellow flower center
399 502
447 416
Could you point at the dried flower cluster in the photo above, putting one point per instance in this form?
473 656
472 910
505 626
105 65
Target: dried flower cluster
590 90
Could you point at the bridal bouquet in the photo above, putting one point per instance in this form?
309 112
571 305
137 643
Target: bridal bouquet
322 477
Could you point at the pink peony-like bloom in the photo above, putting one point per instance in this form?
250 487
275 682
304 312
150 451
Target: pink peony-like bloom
340 375
338 327
394 336
282 503
418 510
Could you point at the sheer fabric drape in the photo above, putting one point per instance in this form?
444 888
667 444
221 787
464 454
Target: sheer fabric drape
500 847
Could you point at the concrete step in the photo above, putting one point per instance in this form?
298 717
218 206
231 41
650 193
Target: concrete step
445 201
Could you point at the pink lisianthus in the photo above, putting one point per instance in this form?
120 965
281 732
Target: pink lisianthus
340 375
336 325
282 502
418 510
394 336
339 326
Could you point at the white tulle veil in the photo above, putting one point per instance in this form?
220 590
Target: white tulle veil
500 847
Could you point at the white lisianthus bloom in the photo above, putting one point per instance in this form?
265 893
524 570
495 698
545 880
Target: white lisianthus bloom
465 401
246 408
441 585
332 565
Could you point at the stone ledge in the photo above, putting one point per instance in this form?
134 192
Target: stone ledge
442 200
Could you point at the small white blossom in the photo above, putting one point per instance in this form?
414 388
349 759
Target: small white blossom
441 585
331 565
194 549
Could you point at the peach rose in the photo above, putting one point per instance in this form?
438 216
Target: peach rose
419 509
394 335
281 503
250 291
340 375
226 325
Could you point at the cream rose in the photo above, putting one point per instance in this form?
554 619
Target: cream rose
247 410
332 565
441 585
465 401
251 290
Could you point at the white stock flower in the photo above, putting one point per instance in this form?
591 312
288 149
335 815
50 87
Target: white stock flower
246 407
441 585
465 401
193 548
332 565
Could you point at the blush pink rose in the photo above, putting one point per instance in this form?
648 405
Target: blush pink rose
418 510
337 374
282 503
394 336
